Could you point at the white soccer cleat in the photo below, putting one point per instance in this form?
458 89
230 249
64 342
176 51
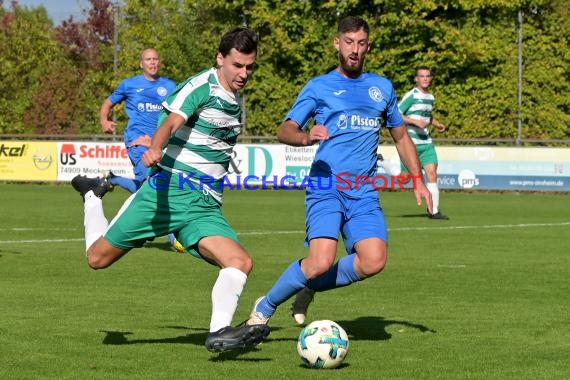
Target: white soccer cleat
301 304
299 319
256 318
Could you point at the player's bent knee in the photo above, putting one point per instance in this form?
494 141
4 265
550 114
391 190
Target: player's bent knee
96 261
101 254
313 266
243 262
372 270
372 265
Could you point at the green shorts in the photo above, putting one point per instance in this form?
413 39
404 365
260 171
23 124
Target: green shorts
426 154
155 211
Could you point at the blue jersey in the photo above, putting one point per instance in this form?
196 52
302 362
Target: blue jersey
143 102
353 110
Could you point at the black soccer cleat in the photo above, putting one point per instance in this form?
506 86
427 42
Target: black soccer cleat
98 185
109 175
231 338
438 216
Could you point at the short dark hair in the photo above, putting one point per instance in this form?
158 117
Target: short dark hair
423 67
353 24
242 39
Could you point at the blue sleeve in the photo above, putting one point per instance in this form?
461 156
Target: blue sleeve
305 106
393 116
120 93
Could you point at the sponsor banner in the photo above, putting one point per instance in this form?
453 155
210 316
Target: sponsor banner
533 183
484 168
513 154
490 168
298 173
28 161
92 159
262 163
522 168
469 180
298 161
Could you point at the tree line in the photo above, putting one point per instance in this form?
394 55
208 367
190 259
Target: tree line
57 76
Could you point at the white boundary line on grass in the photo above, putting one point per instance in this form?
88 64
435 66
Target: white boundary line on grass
41 241
41 229
254 233
489 226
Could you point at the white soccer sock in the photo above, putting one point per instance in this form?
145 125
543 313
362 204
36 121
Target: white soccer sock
95 222
434 190
225 296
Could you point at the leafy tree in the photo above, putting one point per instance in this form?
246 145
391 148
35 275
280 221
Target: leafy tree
546 97
29 53
89 45
471 45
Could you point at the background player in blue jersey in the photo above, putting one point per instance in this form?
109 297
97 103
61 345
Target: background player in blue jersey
143 96
348 107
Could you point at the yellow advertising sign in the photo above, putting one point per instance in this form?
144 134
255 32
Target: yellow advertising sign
28 161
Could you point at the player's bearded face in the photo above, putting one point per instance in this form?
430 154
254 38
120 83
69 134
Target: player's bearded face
352 48
352 63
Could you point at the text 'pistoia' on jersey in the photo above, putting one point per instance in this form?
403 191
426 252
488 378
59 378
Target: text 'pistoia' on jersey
202 148
418 105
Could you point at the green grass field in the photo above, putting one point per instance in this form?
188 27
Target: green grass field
482 296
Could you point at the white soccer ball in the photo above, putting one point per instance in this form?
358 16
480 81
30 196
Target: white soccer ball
322 344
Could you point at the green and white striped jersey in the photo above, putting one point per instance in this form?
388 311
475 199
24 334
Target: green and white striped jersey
417 105
201 149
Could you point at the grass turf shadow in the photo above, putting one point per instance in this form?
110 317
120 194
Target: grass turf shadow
375 328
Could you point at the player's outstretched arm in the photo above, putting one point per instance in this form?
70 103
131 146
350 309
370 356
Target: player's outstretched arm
408 154
107 126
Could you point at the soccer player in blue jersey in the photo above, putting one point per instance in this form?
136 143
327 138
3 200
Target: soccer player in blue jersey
143 96
348 107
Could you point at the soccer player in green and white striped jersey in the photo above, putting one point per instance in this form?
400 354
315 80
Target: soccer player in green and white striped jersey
416 107
190 154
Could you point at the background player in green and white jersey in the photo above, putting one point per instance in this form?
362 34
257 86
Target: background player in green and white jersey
198 129
416 107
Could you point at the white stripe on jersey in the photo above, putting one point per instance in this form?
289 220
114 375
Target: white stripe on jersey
178 101
200 163
222 93
420 107
221 119
422 95
195 137
420 117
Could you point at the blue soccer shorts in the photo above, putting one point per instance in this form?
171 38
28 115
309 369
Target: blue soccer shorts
332 212
135 155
